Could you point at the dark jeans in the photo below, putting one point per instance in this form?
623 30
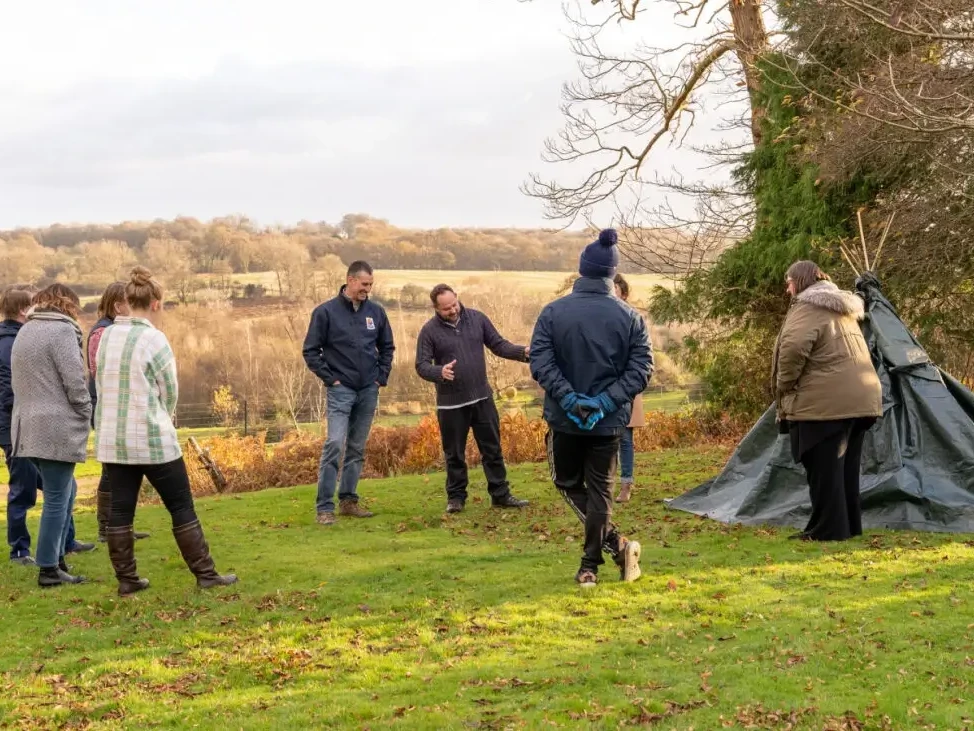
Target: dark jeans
169 480
350 414
833 470
25 481
455 425
60 490
627 455
582 468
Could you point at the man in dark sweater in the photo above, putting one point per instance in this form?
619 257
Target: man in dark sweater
591 354
349 346
450 353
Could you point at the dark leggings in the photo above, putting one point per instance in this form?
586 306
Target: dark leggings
169 480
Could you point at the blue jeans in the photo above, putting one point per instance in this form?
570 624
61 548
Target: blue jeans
25 481
627 455
60 490
350 414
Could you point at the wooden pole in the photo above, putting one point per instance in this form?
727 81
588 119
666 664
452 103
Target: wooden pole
862 239
882 241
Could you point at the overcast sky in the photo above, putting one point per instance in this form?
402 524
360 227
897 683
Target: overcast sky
424 112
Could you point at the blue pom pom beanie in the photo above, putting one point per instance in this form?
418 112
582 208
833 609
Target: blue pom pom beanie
600 258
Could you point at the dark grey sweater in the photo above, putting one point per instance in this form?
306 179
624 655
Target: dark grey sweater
440 342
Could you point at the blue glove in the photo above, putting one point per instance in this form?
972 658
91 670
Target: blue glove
605 403
568 402
586 413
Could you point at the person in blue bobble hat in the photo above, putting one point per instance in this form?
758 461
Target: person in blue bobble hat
591 354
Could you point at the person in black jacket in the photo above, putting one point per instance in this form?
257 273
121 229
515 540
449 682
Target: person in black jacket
591 354
349 346
25 480
450 353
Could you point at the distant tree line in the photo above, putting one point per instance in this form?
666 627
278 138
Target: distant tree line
91 255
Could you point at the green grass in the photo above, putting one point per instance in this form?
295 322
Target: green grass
421 620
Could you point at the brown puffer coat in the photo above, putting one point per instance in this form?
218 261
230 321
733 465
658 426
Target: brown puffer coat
822 370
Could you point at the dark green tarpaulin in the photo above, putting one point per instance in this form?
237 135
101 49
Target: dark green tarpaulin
918 459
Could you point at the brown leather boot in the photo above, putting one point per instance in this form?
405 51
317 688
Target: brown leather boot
196 553
121 551
625 493
352 508
104 513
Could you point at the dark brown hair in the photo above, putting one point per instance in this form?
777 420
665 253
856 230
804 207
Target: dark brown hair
804 274
59 298
142 290
438 290
358 268
13 302
113 295
623 285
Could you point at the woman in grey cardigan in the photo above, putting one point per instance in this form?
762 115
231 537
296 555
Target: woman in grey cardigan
51 417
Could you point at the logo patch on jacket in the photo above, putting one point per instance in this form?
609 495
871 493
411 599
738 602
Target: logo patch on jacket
369 323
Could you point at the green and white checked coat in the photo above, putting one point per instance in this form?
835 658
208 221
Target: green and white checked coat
137 393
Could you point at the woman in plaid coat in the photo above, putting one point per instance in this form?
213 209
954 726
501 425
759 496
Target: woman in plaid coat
136 437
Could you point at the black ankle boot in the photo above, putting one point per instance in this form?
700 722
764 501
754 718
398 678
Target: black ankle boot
49 577
65 576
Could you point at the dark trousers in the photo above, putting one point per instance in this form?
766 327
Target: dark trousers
832 466
583 469
455 425
25 481
170 480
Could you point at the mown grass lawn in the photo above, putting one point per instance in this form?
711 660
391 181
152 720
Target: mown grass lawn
420 620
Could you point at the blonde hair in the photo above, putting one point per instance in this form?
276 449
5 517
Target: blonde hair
142 290
804 274
113 295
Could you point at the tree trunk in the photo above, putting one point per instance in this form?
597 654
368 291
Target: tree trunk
751 39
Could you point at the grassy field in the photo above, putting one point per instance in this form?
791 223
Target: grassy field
420 620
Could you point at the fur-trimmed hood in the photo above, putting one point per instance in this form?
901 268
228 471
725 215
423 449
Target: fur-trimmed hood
829 297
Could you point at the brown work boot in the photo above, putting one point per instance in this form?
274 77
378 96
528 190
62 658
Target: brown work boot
121 551
196 553
625 493
353 509
628 560
326 519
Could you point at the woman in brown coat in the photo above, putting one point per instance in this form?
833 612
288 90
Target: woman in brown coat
827 395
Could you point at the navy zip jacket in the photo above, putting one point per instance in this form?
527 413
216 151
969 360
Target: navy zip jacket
349 346
588 342
8 331
440 342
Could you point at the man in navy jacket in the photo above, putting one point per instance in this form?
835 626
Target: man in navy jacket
349 346
591 354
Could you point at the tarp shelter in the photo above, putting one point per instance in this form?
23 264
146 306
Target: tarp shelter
918 459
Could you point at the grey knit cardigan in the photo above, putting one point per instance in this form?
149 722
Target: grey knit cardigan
52 407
